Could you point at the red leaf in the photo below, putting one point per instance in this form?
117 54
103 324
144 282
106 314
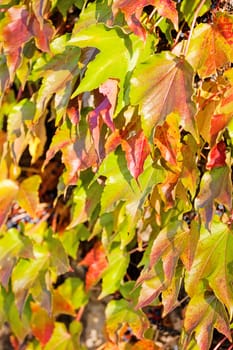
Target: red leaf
136 151
133 9
15 34
217 156
96 262
41 323
43 34
103 113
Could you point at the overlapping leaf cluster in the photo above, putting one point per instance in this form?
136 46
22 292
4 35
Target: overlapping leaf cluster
139 95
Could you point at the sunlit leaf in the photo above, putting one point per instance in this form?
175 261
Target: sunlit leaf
96 262
133 10
13 245
73 292
212 263
58 74
215 186
211 45
27 196
41 323
203 314
119 312
162 85
188 9
8 193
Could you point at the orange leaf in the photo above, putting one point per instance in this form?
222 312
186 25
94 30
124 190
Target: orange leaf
41 323
136 150
96 262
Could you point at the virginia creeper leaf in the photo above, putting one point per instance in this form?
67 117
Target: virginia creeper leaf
215 186
41 323
58 77
162 85
27 196
188 9
217 156
136 151
211 45
212 263
8 193
73 292
133 10
13 245
96 262
203 314
119 312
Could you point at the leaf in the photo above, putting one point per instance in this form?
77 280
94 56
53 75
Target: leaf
166 139
212 264
13 245
114 46
25 275
215 186
204 312
168 245
136 150
41 323
118 261
27 196
188 9
8 193
103 113
59 73
119 312
73 292
62 339
217 156
163 85
211 45
4 76
14 35
96 262
132 12
58 258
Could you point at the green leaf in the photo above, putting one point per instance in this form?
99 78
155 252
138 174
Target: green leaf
118 261
73 290
155 86
26 275
58 257
114 47
119 312
71 239
188 9
212 264
4 76
13 245
63 339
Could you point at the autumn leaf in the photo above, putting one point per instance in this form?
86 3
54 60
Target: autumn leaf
133 10
136 150
27 196
14 35
162 85
211 45
215 186
96 262
204 312
217 156
8 193
166 138
212 264
41 323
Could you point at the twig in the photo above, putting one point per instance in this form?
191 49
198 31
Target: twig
192 26
220 343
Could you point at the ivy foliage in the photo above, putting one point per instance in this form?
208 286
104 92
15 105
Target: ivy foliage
132 101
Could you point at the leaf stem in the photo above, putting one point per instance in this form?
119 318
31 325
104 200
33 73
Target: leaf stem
192 26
